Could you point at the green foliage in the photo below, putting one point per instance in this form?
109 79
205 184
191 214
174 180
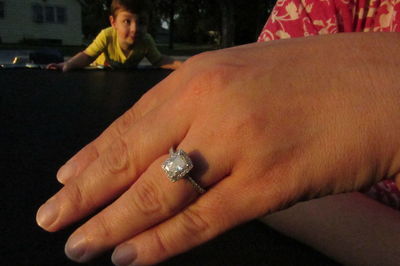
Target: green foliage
95 15
196 19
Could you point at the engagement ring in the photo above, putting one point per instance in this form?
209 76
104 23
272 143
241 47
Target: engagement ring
177 166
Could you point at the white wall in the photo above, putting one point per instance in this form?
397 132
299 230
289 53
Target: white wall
18 23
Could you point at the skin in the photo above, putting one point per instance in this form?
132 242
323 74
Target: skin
129 27
351 228
266 125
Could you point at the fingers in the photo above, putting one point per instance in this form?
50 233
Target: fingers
151 200
152 99
144 204
221 208
53 67
115 169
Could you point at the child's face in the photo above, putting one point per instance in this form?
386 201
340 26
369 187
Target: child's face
129 26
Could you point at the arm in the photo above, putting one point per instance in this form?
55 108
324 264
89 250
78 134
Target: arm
80 60
85 57
168 62
351 228
156 58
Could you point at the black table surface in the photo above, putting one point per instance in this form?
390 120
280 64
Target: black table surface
46 117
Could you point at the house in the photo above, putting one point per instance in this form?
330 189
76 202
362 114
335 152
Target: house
45 21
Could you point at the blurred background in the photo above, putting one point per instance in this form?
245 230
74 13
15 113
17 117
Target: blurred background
180 27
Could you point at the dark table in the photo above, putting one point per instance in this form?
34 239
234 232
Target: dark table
46 117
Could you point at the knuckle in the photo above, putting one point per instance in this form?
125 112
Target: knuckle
77 197
115 159
93 151
103 227
161 245
193 223
88 153
214 78
147 198
198 58
124 122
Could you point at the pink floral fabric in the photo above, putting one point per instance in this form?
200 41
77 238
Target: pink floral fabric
302 18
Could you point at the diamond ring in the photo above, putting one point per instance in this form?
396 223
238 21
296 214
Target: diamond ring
177 166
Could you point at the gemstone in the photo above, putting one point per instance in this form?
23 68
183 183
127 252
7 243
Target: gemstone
177 165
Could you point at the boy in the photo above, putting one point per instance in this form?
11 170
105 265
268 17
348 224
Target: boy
122 45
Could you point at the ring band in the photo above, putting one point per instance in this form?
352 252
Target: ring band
177 166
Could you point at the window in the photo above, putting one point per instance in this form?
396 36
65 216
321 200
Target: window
37 13
1 9
49 14
61 15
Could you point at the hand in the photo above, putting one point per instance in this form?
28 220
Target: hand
57 66
266 125
79 60
168 62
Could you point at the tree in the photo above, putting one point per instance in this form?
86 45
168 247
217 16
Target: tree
171 24
194 21
248 22
227 22
95 15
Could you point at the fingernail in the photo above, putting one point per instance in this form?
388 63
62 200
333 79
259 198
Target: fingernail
66 171
47 214
76 247
124 255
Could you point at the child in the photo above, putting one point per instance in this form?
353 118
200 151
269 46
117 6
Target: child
122 45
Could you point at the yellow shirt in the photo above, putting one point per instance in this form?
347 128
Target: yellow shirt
107 51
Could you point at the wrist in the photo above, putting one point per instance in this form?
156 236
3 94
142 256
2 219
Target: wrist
65 66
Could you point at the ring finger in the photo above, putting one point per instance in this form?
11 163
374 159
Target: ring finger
151 200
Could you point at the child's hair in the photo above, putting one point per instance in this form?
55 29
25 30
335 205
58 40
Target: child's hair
133 6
